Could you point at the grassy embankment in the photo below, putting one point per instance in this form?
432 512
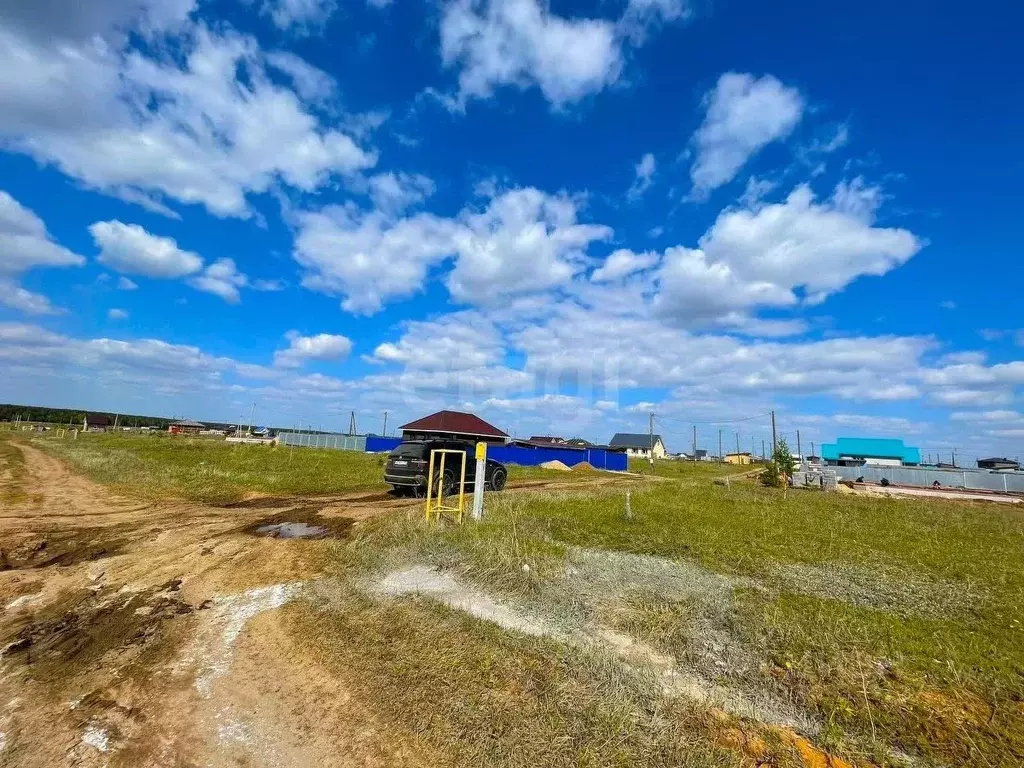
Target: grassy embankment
213 471
894 623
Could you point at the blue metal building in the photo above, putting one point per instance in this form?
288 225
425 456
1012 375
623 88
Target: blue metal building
853 451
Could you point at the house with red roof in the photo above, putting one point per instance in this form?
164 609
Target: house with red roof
453 425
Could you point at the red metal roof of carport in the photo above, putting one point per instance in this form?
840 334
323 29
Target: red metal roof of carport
455 422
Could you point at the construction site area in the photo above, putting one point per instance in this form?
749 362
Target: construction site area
184 602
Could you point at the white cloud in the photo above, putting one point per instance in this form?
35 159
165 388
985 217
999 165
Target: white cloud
948 304
117 314
208 126
821 247
267 285
459 341
124 284
644 177
369 258
130 248
641 15
301 16
392 192
47 19
311 83
744 114
694 287
14 296
25 243
221 278
526 241
622 263
322 346
521 43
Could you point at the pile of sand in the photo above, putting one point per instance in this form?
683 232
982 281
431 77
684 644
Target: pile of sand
555 465
583 466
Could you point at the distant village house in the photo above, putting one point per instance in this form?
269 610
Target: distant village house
638 445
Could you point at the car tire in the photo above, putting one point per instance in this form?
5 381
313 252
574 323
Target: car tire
445 487
498 478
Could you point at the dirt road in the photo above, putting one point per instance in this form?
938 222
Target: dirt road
143 634
147 634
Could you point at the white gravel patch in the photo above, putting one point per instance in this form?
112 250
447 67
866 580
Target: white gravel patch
96 738
422 580
227 617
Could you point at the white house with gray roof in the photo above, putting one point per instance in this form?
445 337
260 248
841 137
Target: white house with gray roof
639 444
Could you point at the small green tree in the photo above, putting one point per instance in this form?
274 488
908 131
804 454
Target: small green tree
780 468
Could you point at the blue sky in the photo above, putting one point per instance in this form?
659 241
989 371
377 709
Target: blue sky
562 217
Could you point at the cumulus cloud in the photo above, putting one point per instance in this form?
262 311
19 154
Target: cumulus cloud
130 248
25 244
221 278
125 284
369 258
622 263
744 114
521 43
458 341
208 126
14 296
523 241
394 192
117 314
322 346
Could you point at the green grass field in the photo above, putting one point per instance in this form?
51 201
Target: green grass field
213 471
894 625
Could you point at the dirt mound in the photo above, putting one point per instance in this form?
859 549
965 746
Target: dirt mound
583 466
560 466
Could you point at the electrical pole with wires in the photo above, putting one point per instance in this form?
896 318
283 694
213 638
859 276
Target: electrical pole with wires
385 424
651 455
737 444
721 458
798 451
775 442
694 442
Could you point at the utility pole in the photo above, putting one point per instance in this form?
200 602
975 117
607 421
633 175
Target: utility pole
737 443
352 423
774 441
694 442
252 416
953 454
763 454
798 451
651 457
812 449
721 458
385 424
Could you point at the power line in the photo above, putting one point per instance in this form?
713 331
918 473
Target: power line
716 423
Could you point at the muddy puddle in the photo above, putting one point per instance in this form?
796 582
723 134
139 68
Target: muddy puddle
301 523
78 629
60 549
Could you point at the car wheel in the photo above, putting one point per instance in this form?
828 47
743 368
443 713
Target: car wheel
498 478
446 486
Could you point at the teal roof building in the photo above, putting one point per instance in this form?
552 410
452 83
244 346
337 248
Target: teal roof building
867 448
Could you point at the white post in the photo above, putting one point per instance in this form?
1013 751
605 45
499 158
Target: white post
478 481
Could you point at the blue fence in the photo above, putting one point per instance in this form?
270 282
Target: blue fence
376 443
598 458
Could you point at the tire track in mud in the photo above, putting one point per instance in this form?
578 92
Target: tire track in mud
103 596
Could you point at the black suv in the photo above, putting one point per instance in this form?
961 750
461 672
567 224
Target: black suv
408 464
